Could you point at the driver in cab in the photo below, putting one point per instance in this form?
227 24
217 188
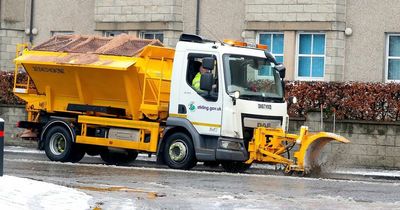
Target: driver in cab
196 79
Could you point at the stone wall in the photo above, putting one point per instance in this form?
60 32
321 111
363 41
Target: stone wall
135 16
8 43
138 11
373 144
335 53
295 10
11 114
12 26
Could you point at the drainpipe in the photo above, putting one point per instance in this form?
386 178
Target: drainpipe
31 22
197 17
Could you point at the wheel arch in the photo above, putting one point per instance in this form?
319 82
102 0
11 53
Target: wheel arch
53 123
168 131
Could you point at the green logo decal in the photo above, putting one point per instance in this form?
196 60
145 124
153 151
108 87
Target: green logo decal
192 107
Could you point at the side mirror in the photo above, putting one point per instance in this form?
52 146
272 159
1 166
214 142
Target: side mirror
270 57
234 95
206 81
281 69
208 63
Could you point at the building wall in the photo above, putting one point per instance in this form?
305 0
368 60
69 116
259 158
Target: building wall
360 56
222 20
137 15
293 16
365 52
8 41
50 16
295 10
12 26
59 16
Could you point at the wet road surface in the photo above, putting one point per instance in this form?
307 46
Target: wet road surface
145 185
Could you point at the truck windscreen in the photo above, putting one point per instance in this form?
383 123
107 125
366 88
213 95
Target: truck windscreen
253 77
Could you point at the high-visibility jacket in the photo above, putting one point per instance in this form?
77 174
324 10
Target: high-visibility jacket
196 82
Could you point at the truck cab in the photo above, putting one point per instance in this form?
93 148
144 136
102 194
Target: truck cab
242 90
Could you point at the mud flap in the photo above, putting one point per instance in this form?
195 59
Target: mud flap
310 148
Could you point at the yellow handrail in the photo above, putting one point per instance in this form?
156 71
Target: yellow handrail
18 51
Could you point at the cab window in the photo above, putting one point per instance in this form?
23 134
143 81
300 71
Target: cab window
194 72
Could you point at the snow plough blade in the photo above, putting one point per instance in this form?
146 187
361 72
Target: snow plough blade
269 146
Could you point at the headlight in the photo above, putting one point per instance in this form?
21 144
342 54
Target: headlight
230 145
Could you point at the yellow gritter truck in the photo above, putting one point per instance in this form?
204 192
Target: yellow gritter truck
116 97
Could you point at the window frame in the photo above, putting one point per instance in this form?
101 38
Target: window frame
298 55
61 32
201 55
270 48
142 34
387 57
115 32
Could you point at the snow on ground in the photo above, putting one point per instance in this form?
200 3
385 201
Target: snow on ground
21 193
23 150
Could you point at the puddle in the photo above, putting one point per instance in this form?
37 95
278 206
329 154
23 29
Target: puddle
150 195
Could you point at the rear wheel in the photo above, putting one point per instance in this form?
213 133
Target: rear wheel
179 152
118 157
235 166
58 144
77 153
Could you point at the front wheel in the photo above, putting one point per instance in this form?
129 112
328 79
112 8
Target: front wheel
235 166
179 152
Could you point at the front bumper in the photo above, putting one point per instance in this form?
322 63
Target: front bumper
231 149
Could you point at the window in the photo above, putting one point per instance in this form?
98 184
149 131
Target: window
114 33
152 35
311 56
193 75
274 41
54 33
239 76
393 57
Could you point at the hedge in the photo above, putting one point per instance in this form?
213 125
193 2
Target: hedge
349 100
6 88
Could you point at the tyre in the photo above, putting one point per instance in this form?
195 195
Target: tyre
118 157
77 153
235 166
179 152
58 144
92 150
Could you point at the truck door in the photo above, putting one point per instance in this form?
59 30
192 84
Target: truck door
203 109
